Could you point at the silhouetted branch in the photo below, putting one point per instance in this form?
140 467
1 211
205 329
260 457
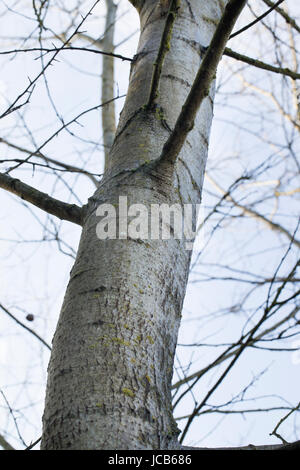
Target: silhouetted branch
60 209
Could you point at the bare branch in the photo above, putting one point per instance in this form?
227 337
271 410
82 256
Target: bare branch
29 88
25 326
62 210
33 444
261 65
288 446
274 432
86 37
47 50
66 166
201 86
63 126
284 14
256 20
233 350
252 213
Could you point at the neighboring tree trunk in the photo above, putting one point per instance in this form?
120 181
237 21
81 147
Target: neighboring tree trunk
111 367
108 111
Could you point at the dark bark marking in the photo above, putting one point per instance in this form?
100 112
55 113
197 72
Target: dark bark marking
190 9
177 79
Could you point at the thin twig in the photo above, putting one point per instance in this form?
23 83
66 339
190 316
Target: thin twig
284 15
28 89
33 444
274 432
256 20
47 50
25 326
261 65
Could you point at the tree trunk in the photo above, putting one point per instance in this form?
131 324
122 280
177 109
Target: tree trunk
111 366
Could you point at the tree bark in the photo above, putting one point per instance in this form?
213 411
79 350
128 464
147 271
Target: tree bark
110 372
